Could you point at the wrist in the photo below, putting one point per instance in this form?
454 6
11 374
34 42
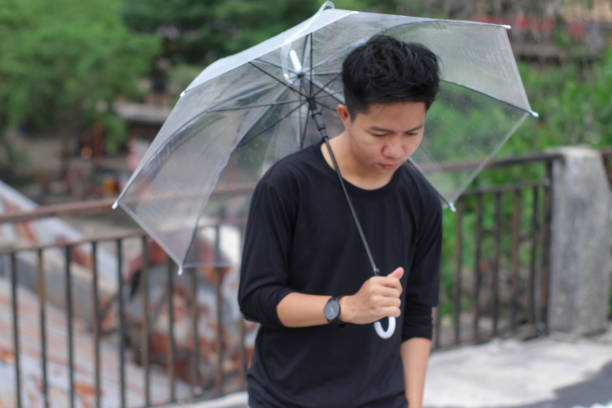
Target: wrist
345 309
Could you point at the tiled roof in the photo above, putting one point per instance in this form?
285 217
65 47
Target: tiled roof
57 360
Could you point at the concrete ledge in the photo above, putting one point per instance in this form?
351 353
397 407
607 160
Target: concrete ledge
579 246
236 400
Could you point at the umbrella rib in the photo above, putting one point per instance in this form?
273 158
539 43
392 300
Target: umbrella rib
236 146
413 164
384 30
309 38
274 64
186 124
475 172
276 79
330 94
303 135
531 112
322 88
289 87
250 138
171 139
355 43
262 105
339 52
328 73
163 146
319 103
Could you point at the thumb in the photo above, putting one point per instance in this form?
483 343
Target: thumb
397 273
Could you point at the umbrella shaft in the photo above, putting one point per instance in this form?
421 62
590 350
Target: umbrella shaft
316 116
375 269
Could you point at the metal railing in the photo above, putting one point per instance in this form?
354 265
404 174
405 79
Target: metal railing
476 265
606 155
503 286
121 328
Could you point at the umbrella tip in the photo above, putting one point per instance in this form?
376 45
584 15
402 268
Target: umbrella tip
326 5
180 270
535 114
115 205
452 206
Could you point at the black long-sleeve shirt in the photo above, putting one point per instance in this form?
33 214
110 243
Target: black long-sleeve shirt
301 237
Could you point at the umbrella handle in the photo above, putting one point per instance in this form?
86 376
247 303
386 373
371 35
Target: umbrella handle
385 334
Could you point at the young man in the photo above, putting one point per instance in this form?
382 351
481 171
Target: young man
305 274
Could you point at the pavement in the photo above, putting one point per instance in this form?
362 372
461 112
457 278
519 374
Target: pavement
556 371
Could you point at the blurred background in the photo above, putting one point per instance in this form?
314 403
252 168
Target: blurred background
96 306
85 87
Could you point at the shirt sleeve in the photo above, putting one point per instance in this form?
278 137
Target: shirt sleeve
264 270
424 277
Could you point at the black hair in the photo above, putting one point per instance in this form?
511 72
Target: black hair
386 70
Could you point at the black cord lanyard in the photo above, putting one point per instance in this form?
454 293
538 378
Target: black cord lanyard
321 127
382 333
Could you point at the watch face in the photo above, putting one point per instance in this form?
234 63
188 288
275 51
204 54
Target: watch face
332 309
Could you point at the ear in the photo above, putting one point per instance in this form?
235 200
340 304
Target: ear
344 114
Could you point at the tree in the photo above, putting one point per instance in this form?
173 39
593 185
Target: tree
197 32
64 63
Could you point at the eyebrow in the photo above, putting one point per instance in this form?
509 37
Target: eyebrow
379 129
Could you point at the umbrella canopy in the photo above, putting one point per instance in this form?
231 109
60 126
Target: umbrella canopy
245 112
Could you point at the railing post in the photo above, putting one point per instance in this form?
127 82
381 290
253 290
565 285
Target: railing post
96 323
144 279
458 269
69 317
219 306
42 304
13 266
477 272
171 270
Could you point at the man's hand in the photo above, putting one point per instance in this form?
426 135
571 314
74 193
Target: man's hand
378 297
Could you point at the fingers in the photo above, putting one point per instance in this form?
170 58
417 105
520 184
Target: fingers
386 291
379 296
388 282
397 273
394 311
385 302
380 307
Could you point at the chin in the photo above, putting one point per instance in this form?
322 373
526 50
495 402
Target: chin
386 169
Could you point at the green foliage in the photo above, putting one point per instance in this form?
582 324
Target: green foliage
63 64
199 33
601 89
182 75
573 101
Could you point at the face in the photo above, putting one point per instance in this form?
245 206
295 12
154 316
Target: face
384 136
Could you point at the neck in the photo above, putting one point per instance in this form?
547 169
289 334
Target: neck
350 167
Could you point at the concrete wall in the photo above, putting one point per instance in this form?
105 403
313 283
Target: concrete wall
580 243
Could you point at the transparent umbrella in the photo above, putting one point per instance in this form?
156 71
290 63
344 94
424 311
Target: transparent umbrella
246 111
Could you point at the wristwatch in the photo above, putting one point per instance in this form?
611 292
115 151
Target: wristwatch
332 309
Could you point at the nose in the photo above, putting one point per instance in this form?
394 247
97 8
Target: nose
393 148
